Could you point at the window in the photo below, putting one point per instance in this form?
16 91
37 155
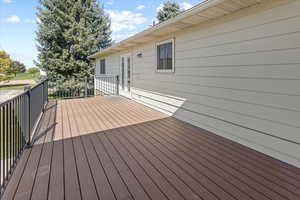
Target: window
102 66
165 56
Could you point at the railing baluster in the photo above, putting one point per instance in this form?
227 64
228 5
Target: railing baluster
10 136
6 156
13 131
1 149
18 118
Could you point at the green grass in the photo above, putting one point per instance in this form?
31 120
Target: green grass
20 76
12 88
25 76
15 128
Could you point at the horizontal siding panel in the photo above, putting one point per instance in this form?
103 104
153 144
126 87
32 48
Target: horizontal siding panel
288 87
256 71
243 119
271 57
287 41
265 119
285 56
250 19
113 62
279 102
289 25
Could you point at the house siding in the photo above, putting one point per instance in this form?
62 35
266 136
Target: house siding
112 64
237 76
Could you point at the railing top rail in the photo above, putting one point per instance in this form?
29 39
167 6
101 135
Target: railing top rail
20 95
12 99
106 75
40 83
71 78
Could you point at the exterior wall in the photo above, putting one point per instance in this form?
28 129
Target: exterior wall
112 65
238 77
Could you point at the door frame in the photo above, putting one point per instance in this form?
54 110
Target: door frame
125 92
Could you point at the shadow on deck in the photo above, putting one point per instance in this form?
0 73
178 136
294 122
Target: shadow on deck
113 148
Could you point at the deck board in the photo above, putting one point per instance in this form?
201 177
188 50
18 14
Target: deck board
234 157
219 158
115 149
56 182
120 189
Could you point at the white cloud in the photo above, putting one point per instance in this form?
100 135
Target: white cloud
13 19
140 7
185 5
125 20
7 1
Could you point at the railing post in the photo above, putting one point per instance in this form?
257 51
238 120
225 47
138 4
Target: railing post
28 89
95 86
117 84
47 90
43 96
85 83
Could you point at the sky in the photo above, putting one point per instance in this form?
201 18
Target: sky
18 23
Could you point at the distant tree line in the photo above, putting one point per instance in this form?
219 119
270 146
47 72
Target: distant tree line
10 67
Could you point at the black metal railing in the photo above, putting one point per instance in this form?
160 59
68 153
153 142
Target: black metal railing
18 118
68 88
71 88
107 85
20 115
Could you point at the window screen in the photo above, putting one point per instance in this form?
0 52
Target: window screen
102 66
165 56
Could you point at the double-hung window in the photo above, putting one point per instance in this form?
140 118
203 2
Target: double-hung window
165 56
102 66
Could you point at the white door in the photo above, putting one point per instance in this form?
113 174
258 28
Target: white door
125 75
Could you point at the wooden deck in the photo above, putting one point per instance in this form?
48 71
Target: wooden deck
114 149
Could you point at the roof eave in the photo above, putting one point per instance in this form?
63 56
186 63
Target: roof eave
182 18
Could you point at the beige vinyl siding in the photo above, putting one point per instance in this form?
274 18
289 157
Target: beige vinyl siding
112 65
238 76
97 68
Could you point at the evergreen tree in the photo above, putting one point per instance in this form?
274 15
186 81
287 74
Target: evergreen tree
169 10
69 31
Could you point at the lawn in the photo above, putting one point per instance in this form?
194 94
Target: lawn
12 87
26 76
18 77
9 128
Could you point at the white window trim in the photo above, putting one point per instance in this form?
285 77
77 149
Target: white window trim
173 56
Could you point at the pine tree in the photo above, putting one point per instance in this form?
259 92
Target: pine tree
169 10
69 31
